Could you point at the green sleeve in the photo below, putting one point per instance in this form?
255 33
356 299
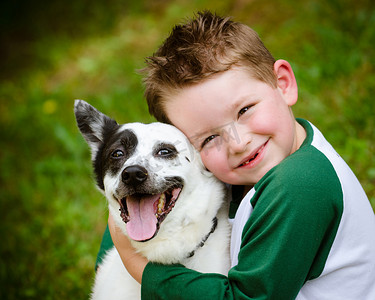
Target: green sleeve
105 245
190 284
286 241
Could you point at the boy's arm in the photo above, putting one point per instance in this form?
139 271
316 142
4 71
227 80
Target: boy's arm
285 242
134 262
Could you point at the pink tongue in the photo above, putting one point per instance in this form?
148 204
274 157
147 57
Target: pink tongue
142 224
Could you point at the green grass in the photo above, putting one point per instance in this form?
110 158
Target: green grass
52 215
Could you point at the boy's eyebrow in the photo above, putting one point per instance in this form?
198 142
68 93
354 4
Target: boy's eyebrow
198 136
204 133
238 102
209 132
235 104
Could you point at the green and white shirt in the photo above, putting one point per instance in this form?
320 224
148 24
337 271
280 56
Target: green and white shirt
305 231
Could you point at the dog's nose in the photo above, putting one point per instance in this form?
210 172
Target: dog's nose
134 175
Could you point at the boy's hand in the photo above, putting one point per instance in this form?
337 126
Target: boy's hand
134 262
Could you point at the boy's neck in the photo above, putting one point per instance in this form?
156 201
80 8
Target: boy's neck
300 136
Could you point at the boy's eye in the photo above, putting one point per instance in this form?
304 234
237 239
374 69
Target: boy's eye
207 140
243 110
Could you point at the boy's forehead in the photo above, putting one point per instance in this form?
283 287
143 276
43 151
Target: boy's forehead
197 104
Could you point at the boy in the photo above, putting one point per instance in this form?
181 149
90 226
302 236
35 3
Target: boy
304 228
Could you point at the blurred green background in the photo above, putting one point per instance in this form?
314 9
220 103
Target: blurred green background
52 216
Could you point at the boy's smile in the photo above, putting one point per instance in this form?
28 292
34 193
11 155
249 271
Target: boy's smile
254 158
242 127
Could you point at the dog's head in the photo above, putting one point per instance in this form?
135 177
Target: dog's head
141 168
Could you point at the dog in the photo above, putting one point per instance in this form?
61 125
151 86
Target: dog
161 196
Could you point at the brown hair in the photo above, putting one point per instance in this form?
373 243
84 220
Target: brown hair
198 49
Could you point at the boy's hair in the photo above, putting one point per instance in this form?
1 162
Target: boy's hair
202 47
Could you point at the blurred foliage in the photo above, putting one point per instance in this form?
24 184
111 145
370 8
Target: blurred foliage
54 52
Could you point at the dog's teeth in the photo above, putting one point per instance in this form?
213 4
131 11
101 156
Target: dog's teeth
161 203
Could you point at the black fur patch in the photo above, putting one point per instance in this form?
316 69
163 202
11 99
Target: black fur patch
125 140
86 115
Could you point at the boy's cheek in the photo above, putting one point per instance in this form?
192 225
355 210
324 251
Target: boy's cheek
205 157
210 160
267 122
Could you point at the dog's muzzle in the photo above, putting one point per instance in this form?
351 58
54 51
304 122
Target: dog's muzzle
144 206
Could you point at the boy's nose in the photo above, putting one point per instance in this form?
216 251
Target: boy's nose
239 144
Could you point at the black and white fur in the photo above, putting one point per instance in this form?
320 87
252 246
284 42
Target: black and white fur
138 161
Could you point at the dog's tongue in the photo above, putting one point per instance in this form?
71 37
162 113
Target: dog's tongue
142 224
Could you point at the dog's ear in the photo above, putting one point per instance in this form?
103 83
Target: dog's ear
93 124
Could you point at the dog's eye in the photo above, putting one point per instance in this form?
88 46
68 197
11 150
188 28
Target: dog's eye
117 154
164 152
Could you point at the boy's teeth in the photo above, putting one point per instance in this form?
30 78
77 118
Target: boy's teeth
247 162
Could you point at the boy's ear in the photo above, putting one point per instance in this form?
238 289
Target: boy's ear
286 82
